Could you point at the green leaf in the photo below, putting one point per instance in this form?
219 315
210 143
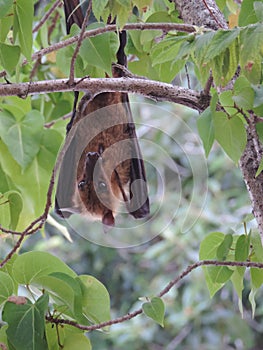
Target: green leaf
237 279
22 137
224 247
98 7
259 128
257 256
231 134
33 182
243 93
95 299
70 338
9 56
155 309
209 245
16 205
212 286
76 341
256 277
208 249
63 60
206 129
167 71
251 41
6 287
5 25
242 248
142 3
64 290
260 168
241 254
26 324
31 266
4 211
257 246
217 69
23 12
5 7
258 8
220 42
17 106
3 337
97 51
202 44
232 54
219 274
167 50
252 300
121 9
258 101
247 13
232 6
61 108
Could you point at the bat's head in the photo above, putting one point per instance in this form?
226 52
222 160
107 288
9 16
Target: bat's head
98 190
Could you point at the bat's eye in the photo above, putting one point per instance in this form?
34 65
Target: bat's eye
81 185
102 186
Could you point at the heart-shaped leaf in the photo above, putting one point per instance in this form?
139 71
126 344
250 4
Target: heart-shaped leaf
155 310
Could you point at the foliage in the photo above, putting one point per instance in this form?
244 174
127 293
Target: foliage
31 133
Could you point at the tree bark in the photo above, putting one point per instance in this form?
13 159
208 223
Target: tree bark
206 13
150 88
201 13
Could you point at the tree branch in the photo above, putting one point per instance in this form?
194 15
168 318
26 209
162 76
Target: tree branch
201 13
47 15
187 28
164 291
206 12
166 27
150 88
79 42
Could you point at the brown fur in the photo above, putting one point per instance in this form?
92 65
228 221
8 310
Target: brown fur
113 152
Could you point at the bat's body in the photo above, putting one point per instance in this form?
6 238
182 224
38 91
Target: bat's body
103 166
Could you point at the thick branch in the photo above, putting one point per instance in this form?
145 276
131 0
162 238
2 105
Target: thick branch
152 89
206 12
201 13
249 164
165 290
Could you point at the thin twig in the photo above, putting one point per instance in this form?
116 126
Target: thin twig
64 117
164 291
187 76
166 27
111 28
15 248
34 69
47 15
52 26
208 84
12 232
35 225
79 42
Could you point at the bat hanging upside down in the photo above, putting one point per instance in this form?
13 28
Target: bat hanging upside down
102 168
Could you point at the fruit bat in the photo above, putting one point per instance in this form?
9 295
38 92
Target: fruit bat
102 167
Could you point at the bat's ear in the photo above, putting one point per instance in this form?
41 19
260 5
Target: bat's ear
108 220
